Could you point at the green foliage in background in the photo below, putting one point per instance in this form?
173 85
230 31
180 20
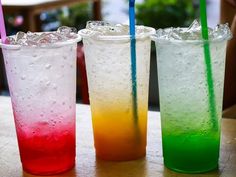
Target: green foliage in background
165 13
77 16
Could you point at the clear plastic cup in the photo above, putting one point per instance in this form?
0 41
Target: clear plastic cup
190 135
42 84
117 135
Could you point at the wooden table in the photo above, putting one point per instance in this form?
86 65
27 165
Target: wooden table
31 9
88 166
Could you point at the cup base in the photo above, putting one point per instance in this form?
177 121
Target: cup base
46 173
187 171
119 157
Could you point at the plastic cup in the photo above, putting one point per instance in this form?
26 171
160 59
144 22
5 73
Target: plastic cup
42 84
117 135
190 137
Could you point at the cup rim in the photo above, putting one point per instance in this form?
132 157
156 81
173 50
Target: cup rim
48 46
82 33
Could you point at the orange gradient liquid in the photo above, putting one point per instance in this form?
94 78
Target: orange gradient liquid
117 137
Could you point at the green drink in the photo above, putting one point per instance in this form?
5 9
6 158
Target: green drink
190 151
190 134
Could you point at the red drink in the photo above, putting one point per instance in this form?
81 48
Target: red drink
47 147
41 74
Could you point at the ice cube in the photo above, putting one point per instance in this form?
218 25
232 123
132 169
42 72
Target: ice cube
20 35
65 30
43 39
96 24
36 39
194 32
195 26
11 40
221 30
69 32
22 41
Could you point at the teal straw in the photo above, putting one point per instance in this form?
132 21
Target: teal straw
133 58
210 83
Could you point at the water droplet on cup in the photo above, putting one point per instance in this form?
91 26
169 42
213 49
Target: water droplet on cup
23 77
48 83
54 86
48 66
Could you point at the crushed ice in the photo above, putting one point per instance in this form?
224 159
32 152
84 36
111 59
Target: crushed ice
193 32
62 34
108 29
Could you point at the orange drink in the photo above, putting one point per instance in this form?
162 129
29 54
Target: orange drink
118 135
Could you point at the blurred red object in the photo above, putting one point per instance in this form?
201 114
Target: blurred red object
82 72
16 21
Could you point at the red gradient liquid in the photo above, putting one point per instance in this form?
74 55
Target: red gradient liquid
47 148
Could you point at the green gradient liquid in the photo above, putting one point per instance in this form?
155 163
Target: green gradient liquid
190 151
191 137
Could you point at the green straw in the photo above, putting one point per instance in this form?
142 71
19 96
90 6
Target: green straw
210 83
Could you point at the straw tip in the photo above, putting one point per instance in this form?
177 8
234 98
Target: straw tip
131 3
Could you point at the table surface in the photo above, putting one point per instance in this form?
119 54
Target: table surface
88 166
26 2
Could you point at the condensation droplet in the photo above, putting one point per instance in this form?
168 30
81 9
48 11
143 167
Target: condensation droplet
48 83
48 66
54 86
66 133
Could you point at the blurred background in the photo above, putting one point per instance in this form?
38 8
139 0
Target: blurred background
48 15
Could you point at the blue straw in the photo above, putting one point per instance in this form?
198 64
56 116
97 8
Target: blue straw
133 58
